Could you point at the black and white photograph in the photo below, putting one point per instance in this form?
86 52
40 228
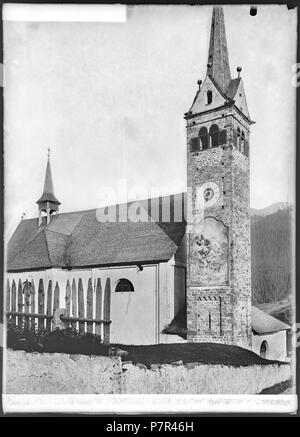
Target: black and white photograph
149 208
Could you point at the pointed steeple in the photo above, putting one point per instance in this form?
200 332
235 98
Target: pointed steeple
218 63
48 202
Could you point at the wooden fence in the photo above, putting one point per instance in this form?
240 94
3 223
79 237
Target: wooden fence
27 305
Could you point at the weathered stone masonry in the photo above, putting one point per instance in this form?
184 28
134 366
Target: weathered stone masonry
229 306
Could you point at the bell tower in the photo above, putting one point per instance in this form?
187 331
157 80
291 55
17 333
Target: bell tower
218 250
47 203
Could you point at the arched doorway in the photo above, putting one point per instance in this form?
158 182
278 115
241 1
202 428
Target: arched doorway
264 349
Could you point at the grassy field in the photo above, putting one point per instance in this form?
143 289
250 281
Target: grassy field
203 353
71 342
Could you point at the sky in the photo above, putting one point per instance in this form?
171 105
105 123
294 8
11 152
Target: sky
109 100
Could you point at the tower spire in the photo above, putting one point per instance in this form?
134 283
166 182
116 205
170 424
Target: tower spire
48 202
218 63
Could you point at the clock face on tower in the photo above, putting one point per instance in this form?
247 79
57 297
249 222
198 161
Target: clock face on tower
211 193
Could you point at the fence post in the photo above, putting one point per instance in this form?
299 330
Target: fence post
7 295
13 300
106 312
41 303
80 305
49 305
89 306
98 306
68 298
20 302
8 318
26 301
74 303
56 297
32 293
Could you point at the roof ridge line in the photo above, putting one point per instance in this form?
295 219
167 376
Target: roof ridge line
56 232
116 204
47 247
108 206
223 93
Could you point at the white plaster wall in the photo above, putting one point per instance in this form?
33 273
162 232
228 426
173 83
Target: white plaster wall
171 294
166 295
138 317
240 99
200 104
276 345
133 314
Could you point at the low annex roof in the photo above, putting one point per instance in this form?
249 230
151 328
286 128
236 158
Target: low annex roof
263 323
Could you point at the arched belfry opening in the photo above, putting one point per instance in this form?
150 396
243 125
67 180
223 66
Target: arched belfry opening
204 138
214 135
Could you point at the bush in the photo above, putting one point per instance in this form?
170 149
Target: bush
69 341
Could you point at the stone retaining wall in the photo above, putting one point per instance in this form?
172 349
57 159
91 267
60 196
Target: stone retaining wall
37 373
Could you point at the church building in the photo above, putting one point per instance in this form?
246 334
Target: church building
177 262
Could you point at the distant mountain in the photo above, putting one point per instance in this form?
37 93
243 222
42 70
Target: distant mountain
271 255
269 209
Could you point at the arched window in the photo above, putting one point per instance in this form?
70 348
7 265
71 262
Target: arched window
264 349
214 135
124 285
209 97
243 142
239 138
204 139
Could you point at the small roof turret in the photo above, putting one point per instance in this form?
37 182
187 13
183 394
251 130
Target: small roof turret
48 193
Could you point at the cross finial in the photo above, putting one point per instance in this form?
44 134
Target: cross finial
48 150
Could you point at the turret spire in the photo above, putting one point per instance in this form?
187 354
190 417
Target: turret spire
48 202
218 63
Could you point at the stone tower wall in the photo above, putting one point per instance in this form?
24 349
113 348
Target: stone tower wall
222 313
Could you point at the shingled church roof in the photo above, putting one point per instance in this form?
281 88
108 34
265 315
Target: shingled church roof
82 239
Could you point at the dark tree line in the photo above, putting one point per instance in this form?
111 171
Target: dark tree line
271 256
